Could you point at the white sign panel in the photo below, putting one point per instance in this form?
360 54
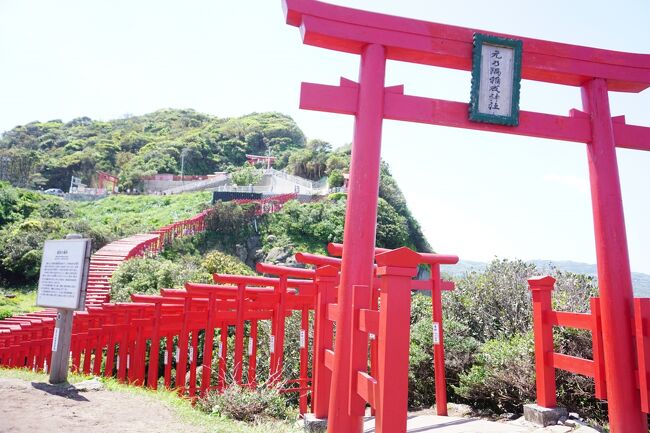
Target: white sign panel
303 341
497 80
436 333
62 273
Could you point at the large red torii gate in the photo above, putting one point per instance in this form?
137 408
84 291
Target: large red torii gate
377 38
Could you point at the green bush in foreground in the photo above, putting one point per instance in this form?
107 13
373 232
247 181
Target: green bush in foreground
246 404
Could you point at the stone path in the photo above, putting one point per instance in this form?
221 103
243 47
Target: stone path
442 424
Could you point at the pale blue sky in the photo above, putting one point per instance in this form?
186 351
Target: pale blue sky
478 195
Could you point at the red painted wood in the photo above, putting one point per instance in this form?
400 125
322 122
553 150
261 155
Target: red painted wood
350 30
438 349
597 350
641 316
572 320
326 277
614 277
574 364
545 372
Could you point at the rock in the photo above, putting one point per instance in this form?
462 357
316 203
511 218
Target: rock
87 385
241 252
543 416
278 255
455 409
313 424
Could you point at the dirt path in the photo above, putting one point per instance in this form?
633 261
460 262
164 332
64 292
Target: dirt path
36 407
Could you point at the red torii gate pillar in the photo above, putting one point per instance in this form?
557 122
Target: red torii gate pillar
614 275
360 223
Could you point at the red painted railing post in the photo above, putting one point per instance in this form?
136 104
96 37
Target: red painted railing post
541 288
360 227
239 334
614 276
641 317
326 277
438 341
304 359
252 355
396 269
208 345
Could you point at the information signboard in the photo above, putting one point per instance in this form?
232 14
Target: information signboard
62 273
496 78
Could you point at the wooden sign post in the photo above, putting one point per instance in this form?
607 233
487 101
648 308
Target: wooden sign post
62 285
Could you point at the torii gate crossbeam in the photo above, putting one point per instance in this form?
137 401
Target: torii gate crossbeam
377 38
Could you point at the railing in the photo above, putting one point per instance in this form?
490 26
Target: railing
546 359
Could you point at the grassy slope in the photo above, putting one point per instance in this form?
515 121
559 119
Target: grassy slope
124 215
181 407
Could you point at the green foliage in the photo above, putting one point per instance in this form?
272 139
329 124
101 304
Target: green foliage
504 375
17 204
230 221
50 152
148 276
247 175
217 262
246 404
496 303
311 226
335 179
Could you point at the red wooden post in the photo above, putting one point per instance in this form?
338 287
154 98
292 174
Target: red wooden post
614 277
641 316
208 345
358 348
326 277
154 350
438 341
541 288
223 355
193 356
277 333
252 355
168 357
238 364
360 227
396 269
304 359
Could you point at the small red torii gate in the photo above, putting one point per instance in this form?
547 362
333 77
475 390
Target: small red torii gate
377 38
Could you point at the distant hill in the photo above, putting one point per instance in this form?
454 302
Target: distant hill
640 281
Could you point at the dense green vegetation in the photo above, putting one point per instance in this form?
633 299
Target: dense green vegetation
28 218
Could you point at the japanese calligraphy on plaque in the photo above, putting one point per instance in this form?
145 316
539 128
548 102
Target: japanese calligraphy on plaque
496 77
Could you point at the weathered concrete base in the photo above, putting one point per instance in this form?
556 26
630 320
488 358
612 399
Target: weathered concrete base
313 424
544 416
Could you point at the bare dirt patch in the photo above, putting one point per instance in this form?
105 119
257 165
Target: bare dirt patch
40 407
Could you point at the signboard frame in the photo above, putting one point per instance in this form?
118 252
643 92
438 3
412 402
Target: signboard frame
516 46
82 251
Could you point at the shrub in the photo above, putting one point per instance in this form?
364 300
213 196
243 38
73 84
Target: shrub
335 179
460 349
148 276
503 377
222 263
230 221
246 404
497 303
247 175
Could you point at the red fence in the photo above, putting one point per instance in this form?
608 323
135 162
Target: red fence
547 360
